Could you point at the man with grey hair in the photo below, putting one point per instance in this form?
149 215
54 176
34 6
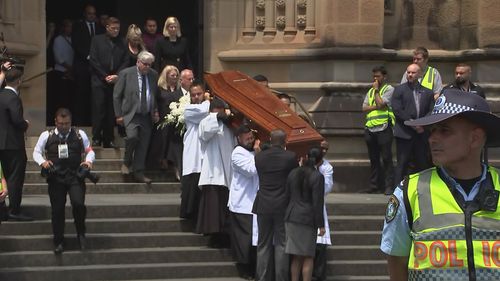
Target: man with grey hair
134 99
186 81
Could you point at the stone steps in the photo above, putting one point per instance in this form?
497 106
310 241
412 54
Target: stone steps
100 241
112 188
107 177
120 271
134 232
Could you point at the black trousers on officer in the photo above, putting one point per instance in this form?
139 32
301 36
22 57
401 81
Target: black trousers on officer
57 193
14 168
380 148
103 114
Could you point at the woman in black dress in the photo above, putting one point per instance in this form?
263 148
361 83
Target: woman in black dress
135 43
304 214
172 49
165 147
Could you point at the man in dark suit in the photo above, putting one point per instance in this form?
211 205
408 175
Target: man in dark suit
81 36
273 166
108 56
134 99
12 146
411 101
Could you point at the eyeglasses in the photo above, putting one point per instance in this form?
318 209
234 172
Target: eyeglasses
145 63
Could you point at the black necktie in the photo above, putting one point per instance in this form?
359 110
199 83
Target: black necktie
92 29
144 99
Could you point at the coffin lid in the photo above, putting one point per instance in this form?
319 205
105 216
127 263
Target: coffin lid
264 110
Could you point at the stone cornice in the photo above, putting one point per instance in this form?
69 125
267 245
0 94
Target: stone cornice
348 53
22 49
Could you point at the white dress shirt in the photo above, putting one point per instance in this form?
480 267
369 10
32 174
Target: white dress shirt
39 151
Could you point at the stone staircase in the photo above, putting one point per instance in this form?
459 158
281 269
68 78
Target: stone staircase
134 233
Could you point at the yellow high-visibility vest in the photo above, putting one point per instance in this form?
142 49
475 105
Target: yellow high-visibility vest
378 117
1 177
428 79
446 244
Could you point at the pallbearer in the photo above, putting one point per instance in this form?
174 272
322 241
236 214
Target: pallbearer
244 186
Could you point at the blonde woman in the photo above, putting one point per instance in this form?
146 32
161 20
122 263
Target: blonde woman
166 144
135 43
172 49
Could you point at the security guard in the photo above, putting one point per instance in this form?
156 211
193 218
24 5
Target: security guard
431 79
378 132
444 222
60 153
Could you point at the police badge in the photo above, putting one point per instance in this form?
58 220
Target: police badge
392 209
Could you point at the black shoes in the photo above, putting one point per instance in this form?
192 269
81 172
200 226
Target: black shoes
82 242
96 143
59 249
106 144
19 217
139 177
110 145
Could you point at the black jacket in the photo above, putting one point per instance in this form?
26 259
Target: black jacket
273 166
80 39
107 56
12 123
306 188
474 89
404 107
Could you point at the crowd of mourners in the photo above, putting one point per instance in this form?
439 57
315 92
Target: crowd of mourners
258 198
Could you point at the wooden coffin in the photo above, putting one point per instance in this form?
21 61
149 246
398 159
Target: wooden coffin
263 109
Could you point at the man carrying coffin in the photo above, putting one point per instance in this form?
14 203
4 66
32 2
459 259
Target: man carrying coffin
191 154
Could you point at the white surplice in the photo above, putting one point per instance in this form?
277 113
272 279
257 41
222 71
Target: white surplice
327 171
244 186
217 142
191 154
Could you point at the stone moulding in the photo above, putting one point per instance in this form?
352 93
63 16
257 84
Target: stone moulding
280 22
301 21
260 22
301 4
260 4
22 49
368 53
280 4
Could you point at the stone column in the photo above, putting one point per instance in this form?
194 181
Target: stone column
270 27
310 30
249 24
290 29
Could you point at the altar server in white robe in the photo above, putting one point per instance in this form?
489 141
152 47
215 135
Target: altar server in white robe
217 142
322 242
244 186
191 154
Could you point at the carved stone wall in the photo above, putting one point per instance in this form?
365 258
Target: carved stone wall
23 26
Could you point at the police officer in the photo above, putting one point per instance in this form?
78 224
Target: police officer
444 222
65 154
378 131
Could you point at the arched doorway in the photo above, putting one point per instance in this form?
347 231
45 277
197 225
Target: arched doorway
189 13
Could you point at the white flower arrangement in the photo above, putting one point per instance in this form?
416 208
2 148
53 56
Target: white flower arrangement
176 115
